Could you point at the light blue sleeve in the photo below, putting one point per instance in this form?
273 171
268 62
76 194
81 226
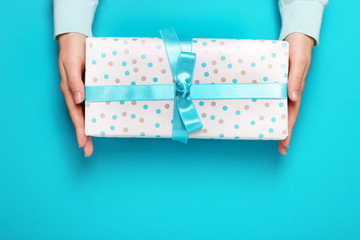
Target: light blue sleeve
303 16
74 16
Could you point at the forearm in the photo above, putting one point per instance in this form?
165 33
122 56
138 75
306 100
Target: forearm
74 16
303 16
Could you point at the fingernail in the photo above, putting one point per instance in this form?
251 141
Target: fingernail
285 152
84 152
295 95
283 143
77 97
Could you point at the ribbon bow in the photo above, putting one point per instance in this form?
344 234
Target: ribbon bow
182 62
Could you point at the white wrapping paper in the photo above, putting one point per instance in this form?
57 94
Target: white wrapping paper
126 61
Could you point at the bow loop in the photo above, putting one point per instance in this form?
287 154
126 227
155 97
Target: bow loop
186 64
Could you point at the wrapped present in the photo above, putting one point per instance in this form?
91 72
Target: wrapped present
196 88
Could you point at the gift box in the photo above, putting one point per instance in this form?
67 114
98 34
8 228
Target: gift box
197 88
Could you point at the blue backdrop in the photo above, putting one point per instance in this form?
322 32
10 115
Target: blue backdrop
142 189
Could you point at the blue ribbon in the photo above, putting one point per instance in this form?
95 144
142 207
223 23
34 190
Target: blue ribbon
182 62
160 92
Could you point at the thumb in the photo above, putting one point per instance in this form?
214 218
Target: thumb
296 76
74 70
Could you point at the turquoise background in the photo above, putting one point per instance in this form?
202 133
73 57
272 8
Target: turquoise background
143 189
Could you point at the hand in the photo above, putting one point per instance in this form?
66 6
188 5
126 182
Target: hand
71 67
300 51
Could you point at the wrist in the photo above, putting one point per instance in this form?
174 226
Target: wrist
301 39
71 36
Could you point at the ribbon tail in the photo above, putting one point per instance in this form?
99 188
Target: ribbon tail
189 115
179 132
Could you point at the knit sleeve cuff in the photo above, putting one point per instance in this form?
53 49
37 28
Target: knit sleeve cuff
74 16
302 16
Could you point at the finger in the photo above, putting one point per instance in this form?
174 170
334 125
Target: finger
282 148
88 148
294 110
293 114
296 76
77 117
74 69
75 110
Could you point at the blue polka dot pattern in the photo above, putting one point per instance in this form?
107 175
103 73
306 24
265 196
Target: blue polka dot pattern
139 61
